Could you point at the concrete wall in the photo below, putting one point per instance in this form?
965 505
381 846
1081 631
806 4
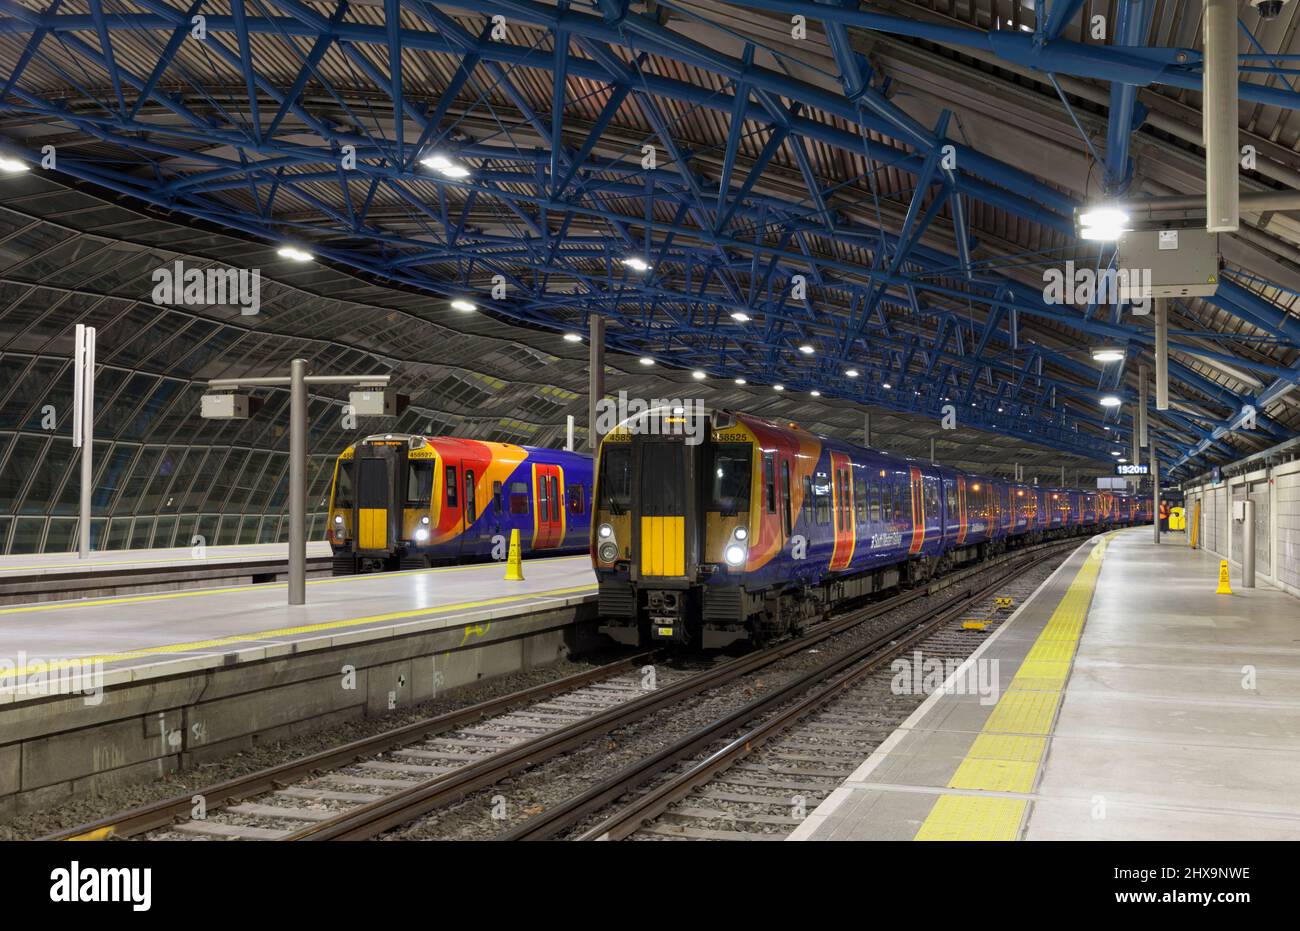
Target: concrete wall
1276 493
59 748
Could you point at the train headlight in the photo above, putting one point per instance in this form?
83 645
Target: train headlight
425 519
421 535
741 534
605 531
608 551
734 555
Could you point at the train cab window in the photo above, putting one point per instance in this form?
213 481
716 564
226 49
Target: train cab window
452 501
518 497
769 483
343 485
616 478
471 503
577 499
731 472
555 498
785 491
498 504
419 484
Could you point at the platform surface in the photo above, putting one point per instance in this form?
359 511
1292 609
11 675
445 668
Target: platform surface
141 636
40 564
1174 714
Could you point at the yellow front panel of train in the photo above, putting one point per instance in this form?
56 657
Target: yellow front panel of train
663 546
373 532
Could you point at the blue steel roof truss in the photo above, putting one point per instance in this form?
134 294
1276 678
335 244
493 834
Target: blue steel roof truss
563 216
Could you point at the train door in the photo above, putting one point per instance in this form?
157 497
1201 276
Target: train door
842 507
453 513
961 510
548 506
665 536
918 511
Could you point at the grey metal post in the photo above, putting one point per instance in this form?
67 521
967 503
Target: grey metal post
84 412
1248 546
298 482
1219 116
1137 452
1162 354
1062 476
568 441
595 378
866 429
1141 424
931 450
1155 492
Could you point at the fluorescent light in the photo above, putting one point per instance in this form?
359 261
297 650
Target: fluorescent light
646 360
815 393
636 263
741 381
886 385
1110 401
741 317
461 304
699 375
445 166
13 166
1114 452
1121 459
1103 223
573 337
806 349
294 253
778 387
1107 354
851 373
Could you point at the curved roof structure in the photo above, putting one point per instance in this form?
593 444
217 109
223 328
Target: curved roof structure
774 190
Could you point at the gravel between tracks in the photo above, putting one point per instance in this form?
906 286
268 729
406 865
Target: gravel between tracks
33 824
489 812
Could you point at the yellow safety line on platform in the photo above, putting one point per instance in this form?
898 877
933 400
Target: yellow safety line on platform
1006 755
234 589
288 631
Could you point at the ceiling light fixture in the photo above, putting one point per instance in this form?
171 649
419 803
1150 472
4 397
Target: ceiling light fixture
636 263
463 305
294 253
1110 401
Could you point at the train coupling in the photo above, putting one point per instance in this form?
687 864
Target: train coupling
667 616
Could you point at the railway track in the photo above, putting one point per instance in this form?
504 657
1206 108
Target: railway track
362 789
755 781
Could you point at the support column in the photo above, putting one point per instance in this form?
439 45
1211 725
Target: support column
1219 117
866 429
1155 493
931 450
84 426
1248 544
595 378
298 482
1141 423
1162 354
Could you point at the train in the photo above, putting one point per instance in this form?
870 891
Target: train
743 529
404 501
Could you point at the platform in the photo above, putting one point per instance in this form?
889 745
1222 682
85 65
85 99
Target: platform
105 690
62 576
1123 714
143 636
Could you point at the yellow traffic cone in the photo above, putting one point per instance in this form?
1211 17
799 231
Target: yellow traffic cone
515 564
1224 588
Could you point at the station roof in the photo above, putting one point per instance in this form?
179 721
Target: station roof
776 153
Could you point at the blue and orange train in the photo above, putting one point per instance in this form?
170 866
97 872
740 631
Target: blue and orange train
760 527
401 501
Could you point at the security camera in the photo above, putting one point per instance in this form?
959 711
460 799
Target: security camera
1268 9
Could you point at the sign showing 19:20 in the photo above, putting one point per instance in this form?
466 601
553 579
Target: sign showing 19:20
1132 468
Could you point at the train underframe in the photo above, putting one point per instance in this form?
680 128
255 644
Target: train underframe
712 617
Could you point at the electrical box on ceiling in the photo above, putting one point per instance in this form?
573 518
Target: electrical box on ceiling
1168 263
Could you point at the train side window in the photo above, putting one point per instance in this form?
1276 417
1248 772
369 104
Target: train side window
822 490
471 504
498 504
769 483
452 500
518 497
860 497
875 504
577 499
785 490
555 498
950 488
807 494
900 495
543 499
